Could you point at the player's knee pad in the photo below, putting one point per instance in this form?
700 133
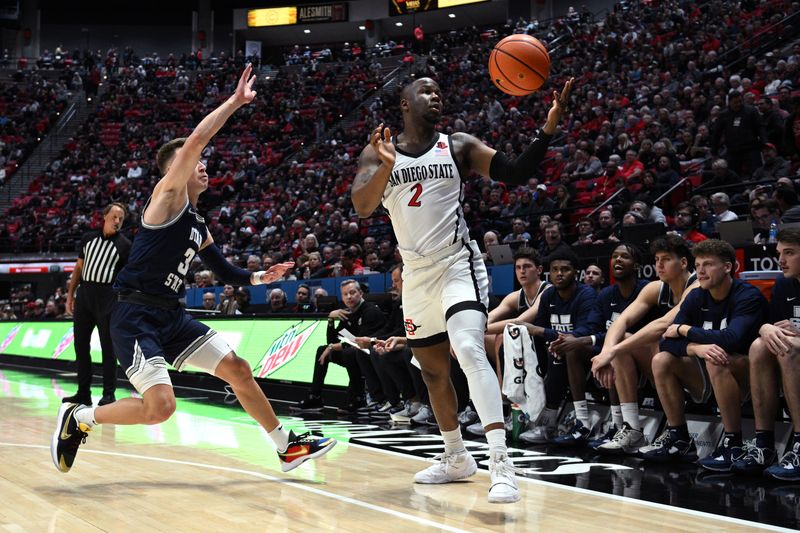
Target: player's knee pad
204 354
465 329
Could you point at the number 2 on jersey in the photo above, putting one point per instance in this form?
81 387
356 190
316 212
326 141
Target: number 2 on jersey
414 202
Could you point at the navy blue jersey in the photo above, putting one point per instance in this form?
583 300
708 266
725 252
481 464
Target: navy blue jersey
785 303
161 255
732 323
579 315
612 304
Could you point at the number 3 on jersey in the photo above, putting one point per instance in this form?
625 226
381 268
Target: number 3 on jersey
414 202
173 281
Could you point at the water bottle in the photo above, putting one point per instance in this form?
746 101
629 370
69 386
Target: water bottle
773 233
519 421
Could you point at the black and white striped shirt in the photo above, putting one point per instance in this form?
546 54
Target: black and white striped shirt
103 257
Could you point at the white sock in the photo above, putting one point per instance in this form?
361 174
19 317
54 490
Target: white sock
548 418
616 416
582 412
452 441
497 441
85 415
280 438
630 414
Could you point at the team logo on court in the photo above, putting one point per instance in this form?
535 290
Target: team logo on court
284 349
10 337
65 341
411 328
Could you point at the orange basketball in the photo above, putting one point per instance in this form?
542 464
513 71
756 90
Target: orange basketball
519 64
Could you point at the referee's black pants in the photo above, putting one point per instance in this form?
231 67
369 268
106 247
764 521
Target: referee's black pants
93 304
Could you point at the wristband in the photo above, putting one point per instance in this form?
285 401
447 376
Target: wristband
255 277
594 339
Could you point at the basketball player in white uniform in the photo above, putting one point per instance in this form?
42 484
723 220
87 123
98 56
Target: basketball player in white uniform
418 176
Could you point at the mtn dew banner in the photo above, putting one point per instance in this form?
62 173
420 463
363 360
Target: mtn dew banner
281 349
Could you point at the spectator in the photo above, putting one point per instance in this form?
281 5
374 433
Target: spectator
740 128
632 169
607 227
554 243
707 224
773 166
209 301
518 233
227 301
585 230
720 176
242 297
649 212
771 121
720 204
277 301
541 203
303 303
594 277
686 221
788 204
763 214
490 238
253 263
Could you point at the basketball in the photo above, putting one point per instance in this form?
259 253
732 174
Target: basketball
519 64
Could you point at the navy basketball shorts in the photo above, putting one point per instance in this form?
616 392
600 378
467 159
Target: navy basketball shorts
146 338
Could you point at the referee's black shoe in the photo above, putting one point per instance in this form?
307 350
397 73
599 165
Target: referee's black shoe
79 398
107 399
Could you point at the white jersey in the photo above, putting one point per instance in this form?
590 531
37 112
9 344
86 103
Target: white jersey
424 197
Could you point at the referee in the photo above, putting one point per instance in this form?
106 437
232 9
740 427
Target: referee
101 256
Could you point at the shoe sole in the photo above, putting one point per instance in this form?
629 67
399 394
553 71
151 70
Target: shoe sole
471 472
721 469
63 408
772 475
511 499
287 467
307 409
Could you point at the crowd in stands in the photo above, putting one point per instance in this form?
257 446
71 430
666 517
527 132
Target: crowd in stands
664 91
29 107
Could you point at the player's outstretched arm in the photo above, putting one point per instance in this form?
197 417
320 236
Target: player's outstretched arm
486 161
374 168
187 157
213 258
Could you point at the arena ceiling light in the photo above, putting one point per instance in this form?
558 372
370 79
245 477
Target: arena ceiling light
452 15
306 30
398 24
362 28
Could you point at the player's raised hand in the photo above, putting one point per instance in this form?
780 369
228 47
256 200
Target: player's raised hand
276 272
560 102
244 93
381 141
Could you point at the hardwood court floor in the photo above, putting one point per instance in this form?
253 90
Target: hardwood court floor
210 469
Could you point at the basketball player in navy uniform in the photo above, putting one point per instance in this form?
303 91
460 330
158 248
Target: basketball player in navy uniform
528 270
709 340
569 309
418 176
151 329
777 352
577 351
625 358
